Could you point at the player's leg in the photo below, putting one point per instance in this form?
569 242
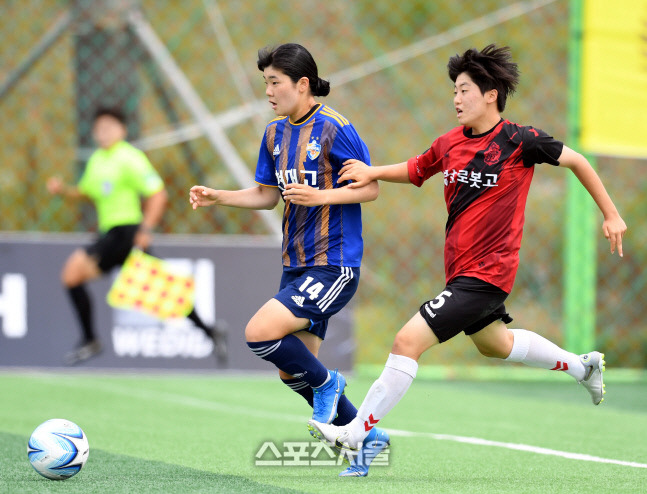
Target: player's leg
463 302
373 444
346 411
398 374
77 270
270 335
108 251
217 334
296 384
399 371
396 378
306 299
527 347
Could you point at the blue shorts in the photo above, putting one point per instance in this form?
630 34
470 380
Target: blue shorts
316 293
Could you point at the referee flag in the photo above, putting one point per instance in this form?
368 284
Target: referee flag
146 283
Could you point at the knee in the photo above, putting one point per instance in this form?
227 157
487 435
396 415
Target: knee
78 269
405 344
254 333
70 277
260 329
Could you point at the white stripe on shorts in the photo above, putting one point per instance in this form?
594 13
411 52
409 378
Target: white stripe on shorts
336 288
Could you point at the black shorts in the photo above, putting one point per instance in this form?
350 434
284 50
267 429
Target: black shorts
112 248
466 304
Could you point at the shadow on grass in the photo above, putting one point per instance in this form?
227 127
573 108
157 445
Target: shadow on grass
108 472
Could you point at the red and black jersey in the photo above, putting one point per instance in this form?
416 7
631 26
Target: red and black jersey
486 179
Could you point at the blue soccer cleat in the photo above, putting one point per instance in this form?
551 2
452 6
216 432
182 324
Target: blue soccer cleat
376 442
326 398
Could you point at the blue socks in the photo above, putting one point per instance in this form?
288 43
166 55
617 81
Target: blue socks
291 356
345 409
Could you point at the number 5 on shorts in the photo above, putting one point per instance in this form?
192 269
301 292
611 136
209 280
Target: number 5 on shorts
437 303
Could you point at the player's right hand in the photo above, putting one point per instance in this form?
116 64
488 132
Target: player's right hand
356 172
614 229
199 195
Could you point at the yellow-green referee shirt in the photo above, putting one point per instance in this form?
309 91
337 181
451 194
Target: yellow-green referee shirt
115 179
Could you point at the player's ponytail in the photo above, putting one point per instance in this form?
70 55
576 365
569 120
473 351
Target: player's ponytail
296 62
320 87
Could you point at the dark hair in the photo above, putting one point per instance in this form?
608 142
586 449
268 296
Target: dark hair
296 62
491 68
115 113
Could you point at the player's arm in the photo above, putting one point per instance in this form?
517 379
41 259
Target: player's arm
153 208
56 186
259 197
360 174
305 195
613 226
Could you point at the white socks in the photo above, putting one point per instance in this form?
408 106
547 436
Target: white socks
399 371
384 394
536 351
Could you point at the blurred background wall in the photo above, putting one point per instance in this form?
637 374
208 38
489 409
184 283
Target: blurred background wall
386 62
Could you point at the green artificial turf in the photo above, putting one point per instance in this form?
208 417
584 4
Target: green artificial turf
169 433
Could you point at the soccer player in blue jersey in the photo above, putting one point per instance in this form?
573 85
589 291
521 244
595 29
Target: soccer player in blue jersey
300 157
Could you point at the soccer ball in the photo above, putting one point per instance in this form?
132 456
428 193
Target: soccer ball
58 449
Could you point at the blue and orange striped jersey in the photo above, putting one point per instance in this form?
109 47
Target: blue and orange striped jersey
312 153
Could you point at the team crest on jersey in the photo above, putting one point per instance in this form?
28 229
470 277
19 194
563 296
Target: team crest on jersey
313 148
277 150
492 154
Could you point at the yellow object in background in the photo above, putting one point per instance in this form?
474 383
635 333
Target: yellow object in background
614 78
147 284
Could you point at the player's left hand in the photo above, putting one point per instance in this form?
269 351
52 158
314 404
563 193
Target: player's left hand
303 195
614 229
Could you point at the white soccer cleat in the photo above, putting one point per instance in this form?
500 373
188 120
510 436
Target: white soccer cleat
334 436
594 364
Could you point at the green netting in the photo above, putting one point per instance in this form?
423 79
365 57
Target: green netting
386 63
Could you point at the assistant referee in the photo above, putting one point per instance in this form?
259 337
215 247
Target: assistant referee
116 179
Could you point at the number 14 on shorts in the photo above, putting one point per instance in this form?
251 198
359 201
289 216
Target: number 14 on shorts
313 290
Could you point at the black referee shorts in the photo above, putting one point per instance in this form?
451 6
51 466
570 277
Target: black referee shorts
466 304
112 248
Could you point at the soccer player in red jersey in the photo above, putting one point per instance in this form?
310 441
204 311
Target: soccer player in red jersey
486 166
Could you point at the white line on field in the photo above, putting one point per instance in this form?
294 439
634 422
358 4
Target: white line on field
515 446
189 401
